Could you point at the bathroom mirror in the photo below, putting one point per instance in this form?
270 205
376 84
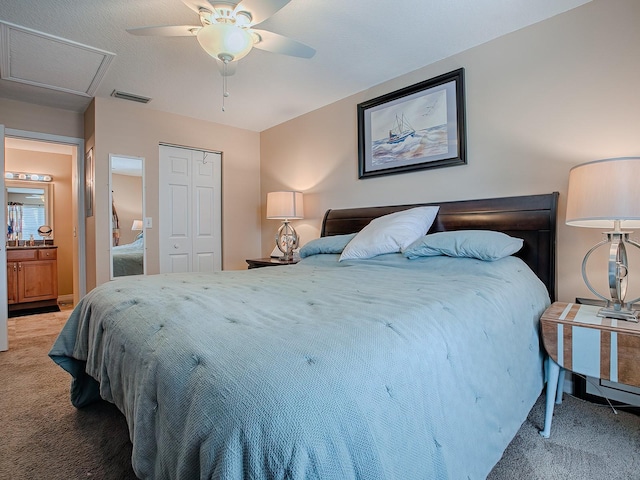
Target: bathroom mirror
29 206
126 228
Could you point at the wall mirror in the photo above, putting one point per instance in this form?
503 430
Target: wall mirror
126 191
29 206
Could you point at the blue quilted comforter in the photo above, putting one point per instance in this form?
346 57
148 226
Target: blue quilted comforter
128 259
380 369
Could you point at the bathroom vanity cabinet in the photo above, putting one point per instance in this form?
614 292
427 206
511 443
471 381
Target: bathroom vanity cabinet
32 277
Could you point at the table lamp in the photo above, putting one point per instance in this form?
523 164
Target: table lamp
605 194
285 206
137 225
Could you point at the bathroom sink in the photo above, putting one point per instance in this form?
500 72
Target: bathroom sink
17 247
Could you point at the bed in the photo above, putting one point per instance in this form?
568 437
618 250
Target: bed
381 368
128 259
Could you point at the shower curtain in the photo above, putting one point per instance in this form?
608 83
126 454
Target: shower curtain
14 221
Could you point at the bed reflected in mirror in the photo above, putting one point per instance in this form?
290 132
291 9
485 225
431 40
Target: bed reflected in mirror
126 187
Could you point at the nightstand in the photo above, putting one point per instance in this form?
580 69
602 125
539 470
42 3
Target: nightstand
576 339
603 391
269 262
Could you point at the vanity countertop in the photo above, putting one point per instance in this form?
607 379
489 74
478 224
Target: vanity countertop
28 247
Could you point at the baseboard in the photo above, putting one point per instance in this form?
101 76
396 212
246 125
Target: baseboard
62 299
618 397
568 383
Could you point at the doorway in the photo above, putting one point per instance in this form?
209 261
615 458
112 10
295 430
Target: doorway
74 225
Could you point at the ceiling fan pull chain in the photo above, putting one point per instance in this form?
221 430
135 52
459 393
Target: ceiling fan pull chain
225 93
224 83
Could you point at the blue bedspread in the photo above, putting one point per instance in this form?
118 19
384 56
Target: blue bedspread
128 259
380 369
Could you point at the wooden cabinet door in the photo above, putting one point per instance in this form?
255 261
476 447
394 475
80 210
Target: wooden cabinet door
38 280
12 282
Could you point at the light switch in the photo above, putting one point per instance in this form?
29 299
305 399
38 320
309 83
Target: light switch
148 223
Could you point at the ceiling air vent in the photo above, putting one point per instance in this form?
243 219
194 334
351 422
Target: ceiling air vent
130 96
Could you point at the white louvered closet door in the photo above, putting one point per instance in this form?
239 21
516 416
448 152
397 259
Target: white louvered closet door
190 210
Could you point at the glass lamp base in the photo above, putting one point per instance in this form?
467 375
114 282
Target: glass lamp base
287 241
624 314
618 272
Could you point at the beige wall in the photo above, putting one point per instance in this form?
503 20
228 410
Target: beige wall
90 224
124 128
538 102
127 198
35 118
59 166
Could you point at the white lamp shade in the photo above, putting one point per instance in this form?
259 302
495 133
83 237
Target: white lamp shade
222 40
285 205
603 191
137 225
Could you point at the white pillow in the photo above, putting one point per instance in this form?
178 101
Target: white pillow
390 233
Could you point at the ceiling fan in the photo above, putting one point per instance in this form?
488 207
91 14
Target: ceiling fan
226 31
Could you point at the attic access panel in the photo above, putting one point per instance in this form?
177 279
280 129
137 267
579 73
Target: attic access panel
36 58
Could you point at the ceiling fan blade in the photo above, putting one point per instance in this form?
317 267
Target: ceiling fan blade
196 5
230 70
260 10
273 42
166 30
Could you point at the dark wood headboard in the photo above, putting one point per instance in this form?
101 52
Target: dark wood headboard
532 218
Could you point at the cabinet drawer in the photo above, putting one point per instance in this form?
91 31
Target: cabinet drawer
17 255
47 254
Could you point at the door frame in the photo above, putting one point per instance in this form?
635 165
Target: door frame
4 306
80 260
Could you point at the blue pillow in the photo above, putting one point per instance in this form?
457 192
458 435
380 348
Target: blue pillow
332 244
481 244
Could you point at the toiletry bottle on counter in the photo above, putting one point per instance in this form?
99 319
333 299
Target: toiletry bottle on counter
31 240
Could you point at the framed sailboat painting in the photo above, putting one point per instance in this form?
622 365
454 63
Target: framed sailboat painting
417 127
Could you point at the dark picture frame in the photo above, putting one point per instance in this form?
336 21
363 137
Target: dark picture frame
88 183
417 127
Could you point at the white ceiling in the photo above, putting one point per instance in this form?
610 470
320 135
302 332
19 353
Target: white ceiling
359 44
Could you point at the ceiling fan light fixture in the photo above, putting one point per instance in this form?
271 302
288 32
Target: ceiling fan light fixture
221 40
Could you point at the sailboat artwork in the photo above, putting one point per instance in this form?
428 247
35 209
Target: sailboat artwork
400 130
416 127
414 130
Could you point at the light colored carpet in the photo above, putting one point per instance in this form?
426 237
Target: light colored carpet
43 437
588 442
